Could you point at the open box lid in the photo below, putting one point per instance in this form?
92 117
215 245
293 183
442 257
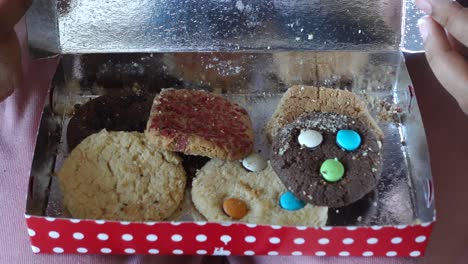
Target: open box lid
87 26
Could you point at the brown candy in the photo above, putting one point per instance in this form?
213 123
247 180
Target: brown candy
235 208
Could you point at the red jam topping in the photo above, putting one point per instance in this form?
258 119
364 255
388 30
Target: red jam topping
180 113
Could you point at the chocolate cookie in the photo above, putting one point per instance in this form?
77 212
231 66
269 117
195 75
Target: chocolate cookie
327 175
123 111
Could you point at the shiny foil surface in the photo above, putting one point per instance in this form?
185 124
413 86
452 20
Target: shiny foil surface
89 26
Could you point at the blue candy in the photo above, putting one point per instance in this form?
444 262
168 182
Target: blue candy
289 202
349 140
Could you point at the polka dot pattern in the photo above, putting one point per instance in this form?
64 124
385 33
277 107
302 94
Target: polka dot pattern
35 249
178 251
420 239
250 239
129 250
323 241
58 250
201 238
127 237
176 238
151 237
54 234
82 250
31 232
106 250
226 239
103 236
299 241
153 251
80 236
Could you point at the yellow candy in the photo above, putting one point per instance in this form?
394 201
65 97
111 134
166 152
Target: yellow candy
235 208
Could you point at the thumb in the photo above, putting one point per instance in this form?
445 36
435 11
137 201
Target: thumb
449 66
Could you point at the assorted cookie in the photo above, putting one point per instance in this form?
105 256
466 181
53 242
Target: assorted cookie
227 191
326 148
118 176
199 123
326 152
327 159
299 99
122 111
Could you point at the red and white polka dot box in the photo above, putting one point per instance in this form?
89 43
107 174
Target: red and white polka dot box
395 221
57 235
408 218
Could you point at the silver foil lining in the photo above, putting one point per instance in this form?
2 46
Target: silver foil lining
88 26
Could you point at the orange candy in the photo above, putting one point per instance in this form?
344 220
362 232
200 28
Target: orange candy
235 208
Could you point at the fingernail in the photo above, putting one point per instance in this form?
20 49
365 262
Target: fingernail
423 28
424 5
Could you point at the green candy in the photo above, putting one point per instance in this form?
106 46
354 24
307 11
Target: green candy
332 170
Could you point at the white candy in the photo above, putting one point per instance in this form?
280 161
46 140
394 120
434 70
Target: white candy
254 162
310 138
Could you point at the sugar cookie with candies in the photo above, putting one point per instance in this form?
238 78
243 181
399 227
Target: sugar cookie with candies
227 191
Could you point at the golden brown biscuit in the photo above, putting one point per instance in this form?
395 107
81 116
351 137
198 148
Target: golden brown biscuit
117 176
304 99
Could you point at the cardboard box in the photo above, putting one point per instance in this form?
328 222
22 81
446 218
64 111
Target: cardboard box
102 52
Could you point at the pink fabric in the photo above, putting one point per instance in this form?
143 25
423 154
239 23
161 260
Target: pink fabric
446 126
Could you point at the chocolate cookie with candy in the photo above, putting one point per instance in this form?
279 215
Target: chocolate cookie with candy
329 158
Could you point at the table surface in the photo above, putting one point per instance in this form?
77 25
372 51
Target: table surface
446 127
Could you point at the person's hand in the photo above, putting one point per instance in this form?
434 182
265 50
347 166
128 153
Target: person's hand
445 35
11 12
